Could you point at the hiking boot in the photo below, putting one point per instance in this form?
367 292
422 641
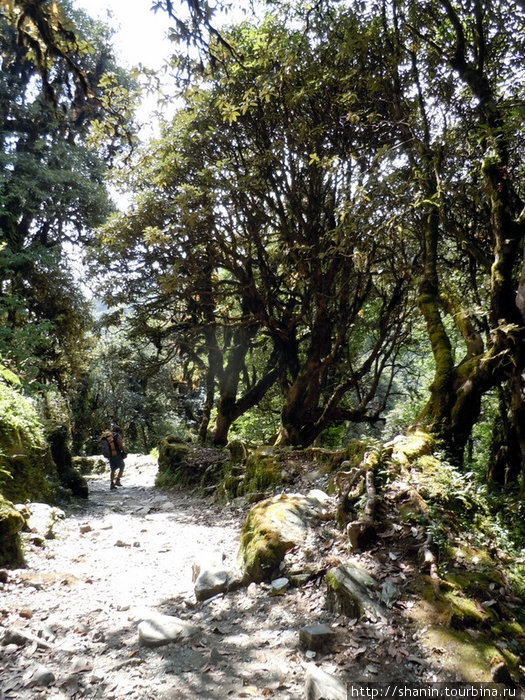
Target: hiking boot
112 487
117 483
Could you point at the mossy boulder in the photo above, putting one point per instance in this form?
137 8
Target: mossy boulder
11 523
405 449
184 465
172 452
349 591
272 528
263 470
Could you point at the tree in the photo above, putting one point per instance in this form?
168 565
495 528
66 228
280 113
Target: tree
57 86
253 227
452 95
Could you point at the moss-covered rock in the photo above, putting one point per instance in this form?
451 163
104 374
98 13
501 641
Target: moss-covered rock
184 465
405 449
263 470
349 589
273 527
172 452
11 523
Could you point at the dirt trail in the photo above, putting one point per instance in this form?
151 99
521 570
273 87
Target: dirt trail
129 552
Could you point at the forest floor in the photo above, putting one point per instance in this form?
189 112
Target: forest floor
122 555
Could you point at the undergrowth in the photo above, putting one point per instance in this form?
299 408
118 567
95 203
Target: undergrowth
467 513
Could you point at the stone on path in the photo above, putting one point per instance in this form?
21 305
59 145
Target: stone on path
349 589
279 586
39 676
317 637
322 686
159 629
211 582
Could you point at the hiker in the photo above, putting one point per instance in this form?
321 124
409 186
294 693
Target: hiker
113 449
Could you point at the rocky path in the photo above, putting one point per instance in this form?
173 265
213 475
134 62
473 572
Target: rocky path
69 620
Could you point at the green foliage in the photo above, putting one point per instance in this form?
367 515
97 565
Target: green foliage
249 280
259 425
27 471
126 384
471 523
52 88
18 418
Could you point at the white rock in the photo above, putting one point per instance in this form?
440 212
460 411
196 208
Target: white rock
279 586
211 582
321 685
163 629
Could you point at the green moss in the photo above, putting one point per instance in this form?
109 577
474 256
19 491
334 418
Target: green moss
355 451
267 535
465 612
184 465
27 470
418 444
406 449
466 656
33 477
512 629
263 470
453 608
172 453
410 513
90 465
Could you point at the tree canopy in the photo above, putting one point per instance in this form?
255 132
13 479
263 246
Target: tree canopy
339 191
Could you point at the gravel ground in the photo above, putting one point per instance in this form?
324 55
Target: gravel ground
126 553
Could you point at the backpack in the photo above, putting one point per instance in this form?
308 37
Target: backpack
107 445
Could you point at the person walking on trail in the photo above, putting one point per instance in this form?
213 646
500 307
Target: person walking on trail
113 449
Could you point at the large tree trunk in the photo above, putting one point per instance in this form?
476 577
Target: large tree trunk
229 407
456 392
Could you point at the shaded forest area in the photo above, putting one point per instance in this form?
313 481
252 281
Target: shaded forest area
324 246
